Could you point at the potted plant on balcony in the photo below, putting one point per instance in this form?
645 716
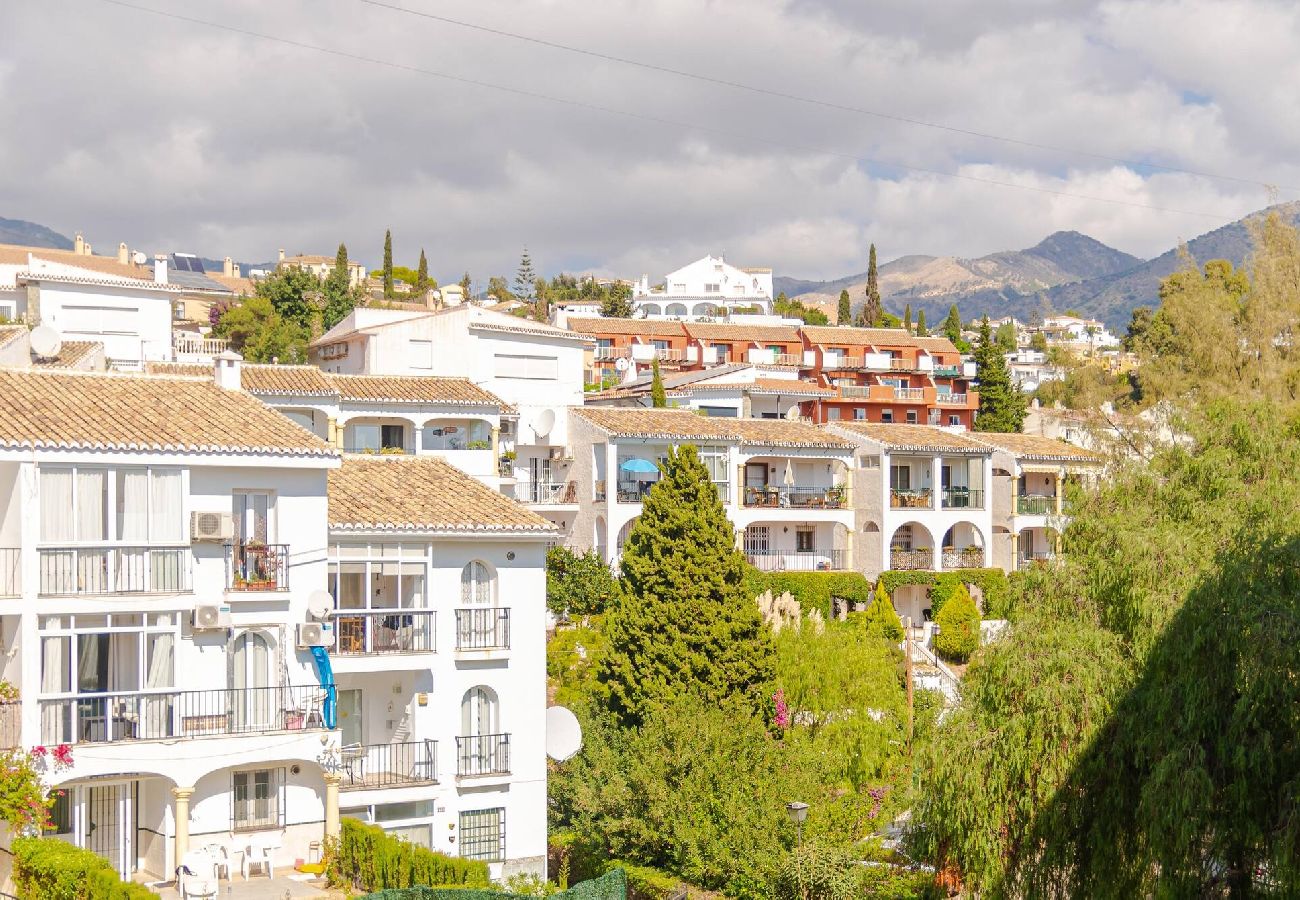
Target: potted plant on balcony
835 496
479 445
259 568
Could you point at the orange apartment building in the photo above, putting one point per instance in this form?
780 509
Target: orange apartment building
639 341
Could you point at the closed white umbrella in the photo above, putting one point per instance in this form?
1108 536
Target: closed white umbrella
789 473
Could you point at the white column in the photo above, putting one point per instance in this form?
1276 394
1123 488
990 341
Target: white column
181 797
332 825
936 482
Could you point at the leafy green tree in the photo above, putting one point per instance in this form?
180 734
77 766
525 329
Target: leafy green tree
1038 341
293 293
388 264
907 317
261 334
872 311
577 584
959 627
525 279
1002 404
422 275
845 312
465 286
617 303
497 288
1006 337
795 309
683 624
658 399
921 330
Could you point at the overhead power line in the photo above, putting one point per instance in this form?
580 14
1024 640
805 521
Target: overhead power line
813 101
658 120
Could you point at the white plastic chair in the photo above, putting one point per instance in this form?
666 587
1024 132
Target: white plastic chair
220 859
258 855
196 876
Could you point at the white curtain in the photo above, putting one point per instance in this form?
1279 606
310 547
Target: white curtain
133 505
157 711
91 515
478 712
476 584
55 679
166 517
56 505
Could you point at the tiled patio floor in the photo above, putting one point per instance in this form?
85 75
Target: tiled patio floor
281 887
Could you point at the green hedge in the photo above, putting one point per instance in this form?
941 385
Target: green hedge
813 590
993 584
610 886
50 869
368 859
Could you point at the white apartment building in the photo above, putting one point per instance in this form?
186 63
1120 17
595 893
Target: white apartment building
1078 333
707 288
533 367
126 306
439 590
922 502
162 540
784 485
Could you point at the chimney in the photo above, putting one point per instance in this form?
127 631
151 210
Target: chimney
123 254
228 267
79 245
281 254
160 269
226 370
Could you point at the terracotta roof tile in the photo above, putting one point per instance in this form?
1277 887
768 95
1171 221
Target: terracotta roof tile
1033 446
669 424
12 254
656 327
11 333
259 378
71 354
783 433
420 494
879 337
75 409
787 386
721 331
412 389
910 437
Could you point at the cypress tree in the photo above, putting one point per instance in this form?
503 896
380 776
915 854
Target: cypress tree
338 297
872 311
1002 405
658 399
921 330
388 264
907 318
465 285
422 275
845 314
952 325
682 624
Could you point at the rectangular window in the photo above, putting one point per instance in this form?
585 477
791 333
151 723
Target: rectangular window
94 505
832 413
911 416
532 368
420 354
483 834
900 478
803 540
256 799
859 413
712 289
954 420
887 415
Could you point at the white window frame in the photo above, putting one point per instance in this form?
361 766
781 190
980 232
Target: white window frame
240 820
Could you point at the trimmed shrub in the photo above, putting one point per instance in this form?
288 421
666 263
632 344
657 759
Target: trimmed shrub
816 872
959 627
881 618
368 859
993 584
813 590
50 869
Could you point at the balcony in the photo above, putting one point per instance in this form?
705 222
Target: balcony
787 359
901 365
105 718
796 497
636 492
113 570
10 580
1035 505
370 450
947 372
953 399
360 632
909 393
842 362
1038 557
911 559
909 499
483 629
962 498
370 766
800 561
966 558
546 493
189 344
257 567
483 754
607 353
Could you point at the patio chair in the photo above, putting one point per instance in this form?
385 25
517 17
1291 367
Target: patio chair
196 876
220 859
258 855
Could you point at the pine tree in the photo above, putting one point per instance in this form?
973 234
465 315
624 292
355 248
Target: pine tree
683 624
422 275
907 318
845 316
1002 405
525 279
388 264
658 399
872 311
952 325
617 303
921 330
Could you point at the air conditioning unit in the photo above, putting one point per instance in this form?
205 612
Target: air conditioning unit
212 526
557 454
315 634
206 618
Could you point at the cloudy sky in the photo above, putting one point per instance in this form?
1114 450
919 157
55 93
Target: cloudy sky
174 135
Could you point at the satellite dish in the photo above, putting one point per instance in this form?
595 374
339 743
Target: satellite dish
139 258
45 341
563 734
320 604
545 421
620 364
630 375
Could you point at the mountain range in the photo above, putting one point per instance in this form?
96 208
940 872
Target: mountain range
1065 271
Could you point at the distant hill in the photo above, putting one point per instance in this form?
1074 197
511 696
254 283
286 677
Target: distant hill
936 282
29 234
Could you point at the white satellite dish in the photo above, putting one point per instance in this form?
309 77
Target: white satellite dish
320 604
139 258
545 421
620 364
631 374
563 734
45 341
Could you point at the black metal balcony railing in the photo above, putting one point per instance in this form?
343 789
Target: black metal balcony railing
483 754
114 570
1039 557
162 714
257 567
1035 504
486 628
800 561
909 499
911 559
966 558
360 631
636 492
796 497
389 765
10 582
962 498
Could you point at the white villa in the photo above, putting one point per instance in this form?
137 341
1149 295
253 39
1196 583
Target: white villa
707 288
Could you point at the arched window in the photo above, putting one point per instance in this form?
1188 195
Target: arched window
479 712
477 584
675 309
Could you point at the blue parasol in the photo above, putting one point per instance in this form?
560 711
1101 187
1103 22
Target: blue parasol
639 465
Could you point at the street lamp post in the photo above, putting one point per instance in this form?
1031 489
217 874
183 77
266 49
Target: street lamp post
797 812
